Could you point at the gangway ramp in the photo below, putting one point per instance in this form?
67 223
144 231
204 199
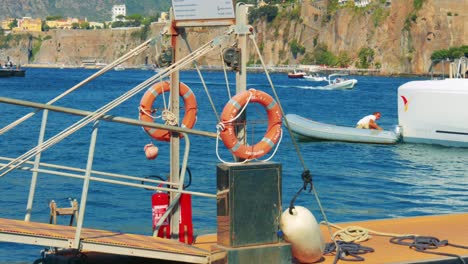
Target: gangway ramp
41 234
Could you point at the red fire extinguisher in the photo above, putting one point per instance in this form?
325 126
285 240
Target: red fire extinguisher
185 223
160 203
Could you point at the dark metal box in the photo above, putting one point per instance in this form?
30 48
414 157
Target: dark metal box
249 203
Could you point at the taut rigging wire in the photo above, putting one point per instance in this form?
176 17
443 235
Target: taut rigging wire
306 176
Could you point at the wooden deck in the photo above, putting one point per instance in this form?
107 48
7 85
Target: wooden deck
453 228
33 233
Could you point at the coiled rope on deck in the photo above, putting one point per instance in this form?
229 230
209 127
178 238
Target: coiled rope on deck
425 243
357 233
345 242
347 251
345 239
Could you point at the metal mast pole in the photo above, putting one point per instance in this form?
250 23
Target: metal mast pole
241 24
241 75
175 141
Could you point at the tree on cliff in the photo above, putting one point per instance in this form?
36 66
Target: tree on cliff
321 56
13 24
366 57
449 54
268 12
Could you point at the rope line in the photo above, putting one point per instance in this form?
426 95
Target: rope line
301 159
276 148
296 146
358 234
345 241
425 243
169 117
225 74
347 251
202 80
146 113
220 127
119 61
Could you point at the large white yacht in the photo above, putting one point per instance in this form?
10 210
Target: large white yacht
436 111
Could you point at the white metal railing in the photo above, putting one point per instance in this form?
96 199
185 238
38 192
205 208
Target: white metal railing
94 117
88 174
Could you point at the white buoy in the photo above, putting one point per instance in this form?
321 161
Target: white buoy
303 232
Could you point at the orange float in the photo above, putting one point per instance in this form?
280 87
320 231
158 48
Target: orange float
151 151
146 108
272 135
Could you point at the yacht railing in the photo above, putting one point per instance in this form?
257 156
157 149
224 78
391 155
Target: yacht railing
459 68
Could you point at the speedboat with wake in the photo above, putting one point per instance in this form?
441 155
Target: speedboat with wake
315 77
335 82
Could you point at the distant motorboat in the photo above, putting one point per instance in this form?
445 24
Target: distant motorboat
309 130
119 68
339 82
315 78
12 72
296 74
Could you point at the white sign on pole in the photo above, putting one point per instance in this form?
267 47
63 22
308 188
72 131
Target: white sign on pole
203 9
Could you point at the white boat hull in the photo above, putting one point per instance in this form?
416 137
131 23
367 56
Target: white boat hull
306 129
347 84
434 112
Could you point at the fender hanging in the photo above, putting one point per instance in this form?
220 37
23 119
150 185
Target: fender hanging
146 106
272 135
151 151
300 228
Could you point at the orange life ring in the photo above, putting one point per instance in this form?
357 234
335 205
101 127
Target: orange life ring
272 135
146 106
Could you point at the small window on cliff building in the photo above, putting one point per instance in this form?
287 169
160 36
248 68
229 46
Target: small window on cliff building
430 36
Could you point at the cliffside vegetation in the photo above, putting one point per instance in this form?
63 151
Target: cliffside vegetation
289 12
449 54
10 40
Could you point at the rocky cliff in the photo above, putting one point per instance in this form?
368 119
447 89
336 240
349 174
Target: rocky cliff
402 37
405 40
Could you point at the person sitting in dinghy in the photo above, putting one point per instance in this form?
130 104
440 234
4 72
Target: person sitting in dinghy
368 122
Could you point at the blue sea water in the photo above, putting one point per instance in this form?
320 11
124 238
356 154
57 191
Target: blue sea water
354 181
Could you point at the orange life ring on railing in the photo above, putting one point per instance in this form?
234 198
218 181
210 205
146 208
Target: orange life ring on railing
272 135
146 108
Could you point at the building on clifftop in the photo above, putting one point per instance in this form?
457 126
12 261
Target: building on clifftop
29 24
118 10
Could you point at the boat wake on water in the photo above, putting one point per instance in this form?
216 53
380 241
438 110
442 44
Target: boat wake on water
303 87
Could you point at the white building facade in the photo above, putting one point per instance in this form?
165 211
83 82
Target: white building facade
361 3
358 3
118 10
